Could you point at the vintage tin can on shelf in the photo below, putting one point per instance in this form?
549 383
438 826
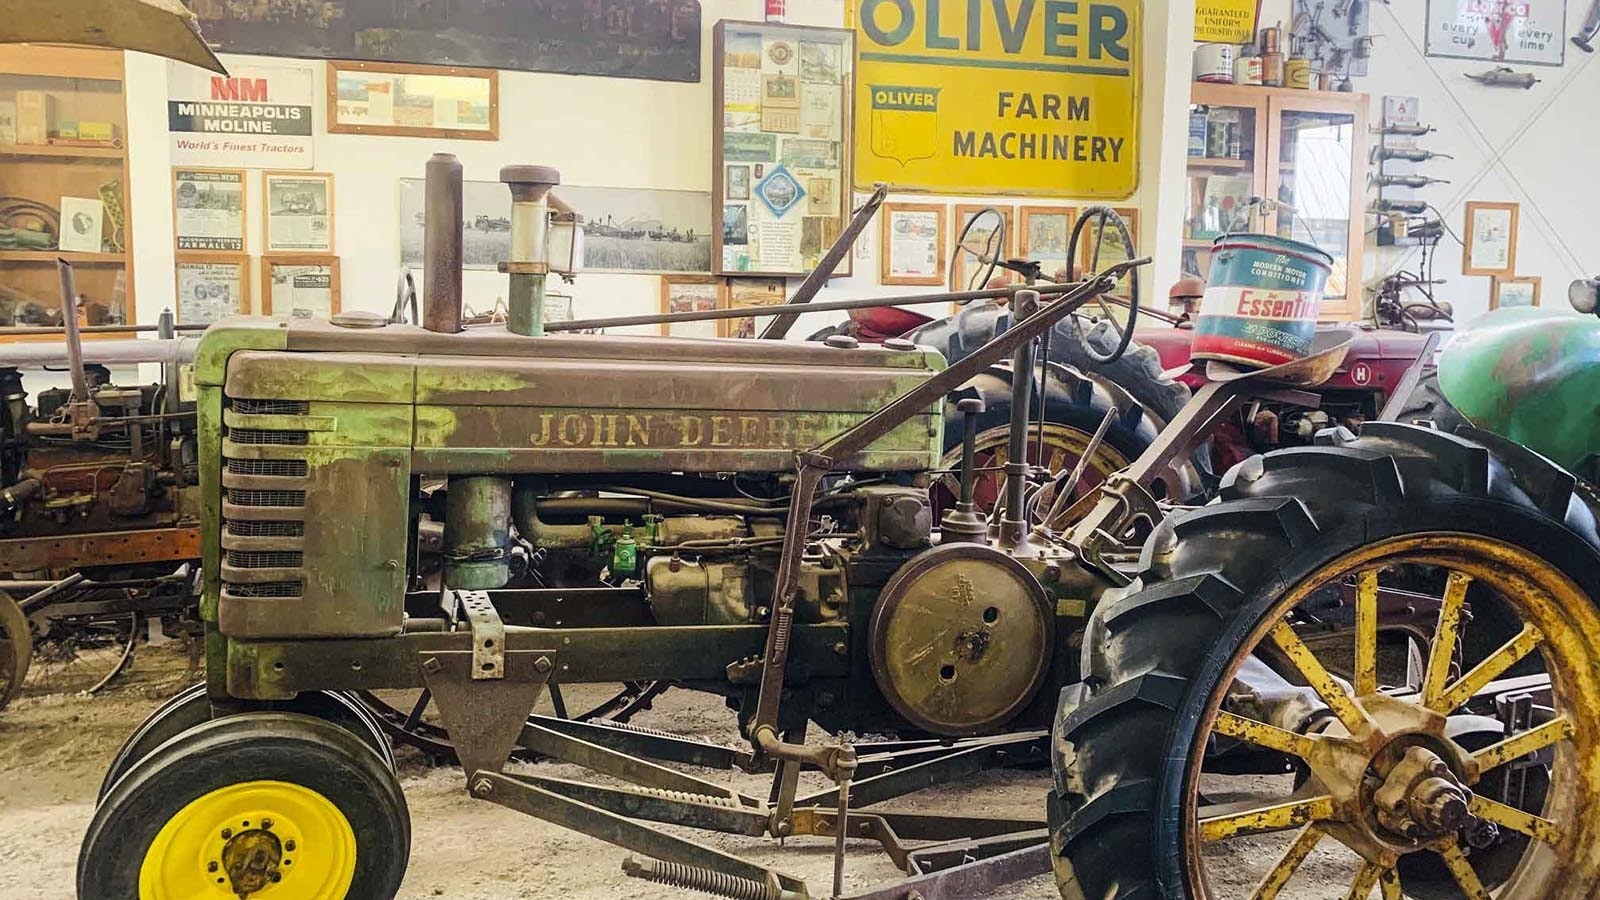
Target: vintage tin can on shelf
1260 308
1297 73
775 11
1213 63
1247 67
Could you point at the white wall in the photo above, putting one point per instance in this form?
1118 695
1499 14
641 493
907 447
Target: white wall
597 131
1534 147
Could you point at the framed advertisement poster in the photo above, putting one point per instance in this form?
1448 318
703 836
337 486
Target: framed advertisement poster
913 244
746 292
212 288
1491 239
300 287
209 210
691 293
1521 32
1043 233
298 207
413 101
781 98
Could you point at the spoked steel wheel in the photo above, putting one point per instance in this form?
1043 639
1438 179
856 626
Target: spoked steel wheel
16 649
1391 797
76 655
1062 450
1234 739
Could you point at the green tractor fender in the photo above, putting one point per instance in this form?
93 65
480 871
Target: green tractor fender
1531 375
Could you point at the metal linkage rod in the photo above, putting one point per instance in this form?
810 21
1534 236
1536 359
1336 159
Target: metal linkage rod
779 327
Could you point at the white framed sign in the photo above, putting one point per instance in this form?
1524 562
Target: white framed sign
1521 32
212 288
255 117
299 212
208 210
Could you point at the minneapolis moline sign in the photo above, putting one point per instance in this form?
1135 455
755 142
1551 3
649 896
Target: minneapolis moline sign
1030 97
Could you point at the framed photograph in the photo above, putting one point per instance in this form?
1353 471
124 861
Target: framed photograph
691 293
1491 239
82 225
1112 250
638 231
300 286
745 292
1042 235
413 101
1520 291
209 210
213 287
981 238
298 207
782 99
913 239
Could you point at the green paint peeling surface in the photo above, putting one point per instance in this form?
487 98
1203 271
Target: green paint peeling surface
1531 375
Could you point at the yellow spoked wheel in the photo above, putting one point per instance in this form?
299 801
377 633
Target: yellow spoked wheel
1400 788
270 838
276 806
1371 669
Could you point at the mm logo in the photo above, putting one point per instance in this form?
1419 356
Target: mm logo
240 90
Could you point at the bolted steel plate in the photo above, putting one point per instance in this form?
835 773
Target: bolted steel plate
961 639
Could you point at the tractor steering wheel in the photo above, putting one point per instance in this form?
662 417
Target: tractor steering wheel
1107 224
986 249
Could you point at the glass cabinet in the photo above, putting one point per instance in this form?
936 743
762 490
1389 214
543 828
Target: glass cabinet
63 185
1285 162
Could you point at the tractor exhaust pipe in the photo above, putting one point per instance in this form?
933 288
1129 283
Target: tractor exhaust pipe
441 245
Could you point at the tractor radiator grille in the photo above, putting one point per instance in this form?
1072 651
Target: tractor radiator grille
265 589
259 541
272 407
242 528
283 468
266 559
243 497
263 436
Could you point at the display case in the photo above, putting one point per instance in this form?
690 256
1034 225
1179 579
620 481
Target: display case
1285 162
63 185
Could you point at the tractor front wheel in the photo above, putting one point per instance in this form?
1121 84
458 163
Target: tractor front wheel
1227 743
262 803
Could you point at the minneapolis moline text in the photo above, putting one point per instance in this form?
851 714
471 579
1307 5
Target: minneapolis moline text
585 429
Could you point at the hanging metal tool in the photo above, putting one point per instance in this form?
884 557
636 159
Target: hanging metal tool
1591 29
1410 154
1410 181
1505 76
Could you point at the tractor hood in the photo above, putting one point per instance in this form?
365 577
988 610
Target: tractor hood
162 27
1531 375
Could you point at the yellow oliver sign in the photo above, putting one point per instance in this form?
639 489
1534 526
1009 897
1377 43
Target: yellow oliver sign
1019 97
1226 21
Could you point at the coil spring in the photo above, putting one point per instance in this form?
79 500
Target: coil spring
697 878
686 797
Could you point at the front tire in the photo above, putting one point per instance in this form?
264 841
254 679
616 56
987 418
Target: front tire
1139 747
294 803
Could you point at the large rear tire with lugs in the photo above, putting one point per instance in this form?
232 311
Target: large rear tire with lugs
1173 781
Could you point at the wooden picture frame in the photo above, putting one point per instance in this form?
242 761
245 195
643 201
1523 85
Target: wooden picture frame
318 260
194 287
959 274
1498 294
888 228
1086 240
782 103
287 203
1055 257
194 241
715 298
1481 253
751 292
341 109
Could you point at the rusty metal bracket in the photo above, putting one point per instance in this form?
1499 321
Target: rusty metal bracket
485 718
973 879
488 635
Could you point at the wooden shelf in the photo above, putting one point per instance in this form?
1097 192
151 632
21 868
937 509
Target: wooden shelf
63 151
71 256
1207 162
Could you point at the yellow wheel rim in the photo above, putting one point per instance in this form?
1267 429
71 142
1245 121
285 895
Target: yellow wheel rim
300 845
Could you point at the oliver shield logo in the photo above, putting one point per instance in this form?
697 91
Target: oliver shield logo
905 122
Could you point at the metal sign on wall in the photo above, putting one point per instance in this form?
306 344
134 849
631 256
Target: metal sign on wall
255 117
1527 32
1008 97
1226 21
